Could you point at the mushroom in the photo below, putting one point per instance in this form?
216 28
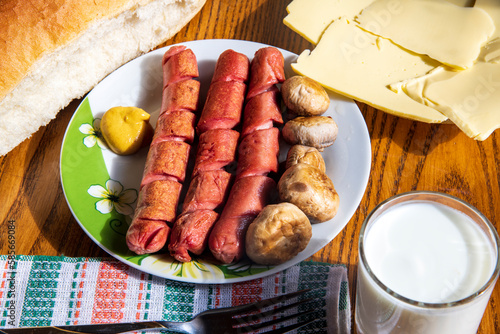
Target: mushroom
305 154
315 131
304 96
277 234
310 190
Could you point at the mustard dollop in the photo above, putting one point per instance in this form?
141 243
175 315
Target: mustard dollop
126 129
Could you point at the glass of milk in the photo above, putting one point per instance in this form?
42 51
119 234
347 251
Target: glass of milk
428 263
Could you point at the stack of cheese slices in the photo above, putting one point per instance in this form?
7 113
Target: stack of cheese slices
52 52
425 60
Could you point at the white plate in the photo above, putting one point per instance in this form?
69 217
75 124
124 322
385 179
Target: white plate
87 168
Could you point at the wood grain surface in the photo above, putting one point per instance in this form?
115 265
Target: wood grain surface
406 156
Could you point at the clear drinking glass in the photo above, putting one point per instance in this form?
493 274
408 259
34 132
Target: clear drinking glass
380 309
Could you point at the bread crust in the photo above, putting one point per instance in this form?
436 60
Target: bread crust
33 31
31 28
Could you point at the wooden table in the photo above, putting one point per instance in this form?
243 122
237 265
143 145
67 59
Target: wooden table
406 156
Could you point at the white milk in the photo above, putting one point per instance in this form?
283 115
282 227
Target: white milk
428 253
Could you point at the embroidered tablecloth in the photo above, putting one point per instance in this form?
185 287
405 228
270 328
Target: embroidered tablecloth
41 290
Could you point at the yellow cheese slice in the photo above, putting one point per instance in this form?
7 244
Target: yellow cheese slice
448 33
492 7
491 51
355 63
470 98
309 18
415 87
462 3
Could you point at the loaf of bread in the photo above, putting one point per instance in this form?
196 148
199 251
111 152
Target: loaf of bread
53 51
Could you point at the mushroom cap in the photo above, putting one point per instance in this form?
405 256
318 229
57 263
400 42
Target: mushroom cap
305 154
314 131
310 190
277 234
304 97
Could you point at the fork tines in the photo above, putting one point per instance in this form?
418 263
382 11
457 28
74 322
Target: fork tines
266 313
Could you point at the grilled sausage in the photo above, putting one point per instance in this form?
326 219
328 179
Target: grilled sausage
168 155
217 146
257 157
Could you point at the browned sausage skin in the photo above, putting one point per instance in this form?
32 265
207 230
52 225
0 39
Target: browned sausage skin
218 142
168 155
257 157
246 200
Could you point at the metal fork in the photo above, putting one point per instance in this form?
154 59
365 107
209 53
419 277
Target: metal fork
239 319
